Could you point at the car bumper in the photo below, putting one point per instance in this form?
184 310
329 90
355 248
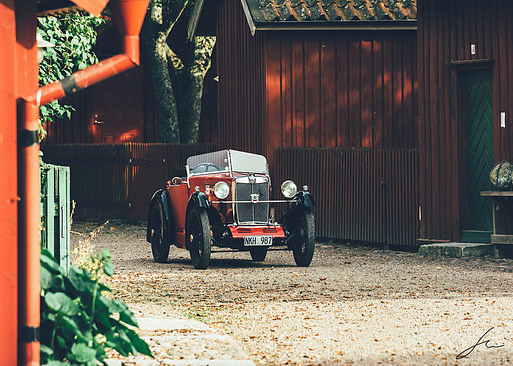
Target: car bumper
239 232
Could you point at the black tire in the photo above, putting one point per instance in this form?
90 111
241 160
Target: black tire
304 245
159 246
258 254
198 238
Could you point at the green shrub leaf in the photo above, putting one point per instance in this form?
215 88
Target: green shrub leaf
108 268
70 325
46 278
51 281
46 350
55 363
75 331
49 262
81 280
80 352
61 303
140 345
128 317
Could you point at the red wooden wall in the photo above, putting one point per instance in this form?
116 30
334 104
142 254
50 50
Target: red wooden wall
325 89
446 30
341 89
313 88
241 84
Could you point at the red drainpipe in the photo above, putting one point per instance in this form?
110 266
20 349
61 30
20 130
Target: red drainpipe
128 16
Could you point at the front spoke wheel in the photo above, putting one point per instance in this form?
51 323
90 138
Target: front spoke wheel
199 238
304 245
159 247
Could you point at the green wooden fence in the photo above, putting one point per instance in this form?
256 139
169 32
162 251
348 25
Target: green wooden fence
55 212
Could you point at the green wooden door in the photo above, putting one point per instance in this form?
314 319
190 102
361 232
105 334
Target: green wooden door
478 90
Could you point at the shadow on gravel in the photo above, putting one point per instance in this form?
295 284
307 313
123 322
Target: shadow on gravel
215 263
243 263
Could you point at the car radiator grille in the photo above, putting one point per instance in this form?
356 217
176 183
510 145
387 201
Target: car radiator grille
252 213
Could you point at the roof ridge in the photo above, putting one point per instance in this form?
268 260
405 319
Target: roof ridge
273 12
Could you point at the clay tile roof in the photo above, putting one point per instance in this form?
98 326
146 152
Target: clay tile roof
276 11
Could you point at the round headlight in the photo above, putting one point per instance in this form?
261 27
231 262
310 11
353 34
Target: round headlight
288 188
221 190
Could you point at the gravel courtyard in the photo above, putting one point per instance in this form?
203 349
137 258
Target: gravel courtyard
355 305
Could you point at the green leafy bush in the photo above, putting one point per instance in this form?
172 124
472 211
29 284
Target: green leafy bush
77 322
74 36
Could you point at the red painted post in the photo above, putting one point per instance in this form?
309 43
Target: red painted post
8 190
29 182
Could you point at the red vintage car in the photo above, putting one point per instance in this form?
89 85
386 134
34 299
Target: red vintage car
222 199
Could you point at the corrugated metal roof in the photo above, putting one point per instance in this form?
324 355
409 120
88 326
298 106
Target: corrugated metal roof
278 11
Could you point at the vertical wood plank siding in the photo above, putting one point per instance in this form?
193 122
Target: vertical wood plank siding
341 89
446 30
313 88
240 87
119 180
361 194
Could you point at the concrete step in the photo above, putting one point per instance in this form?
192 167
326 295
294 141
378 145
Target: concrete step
457 250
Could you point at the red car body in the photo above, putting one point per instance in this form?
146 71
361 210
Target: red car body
222 199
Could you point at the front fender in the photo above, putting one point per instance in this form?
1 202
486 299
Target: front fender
163 197
305 199
200 199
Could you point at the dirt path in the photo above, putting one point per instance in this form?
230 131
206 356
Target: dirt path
354 304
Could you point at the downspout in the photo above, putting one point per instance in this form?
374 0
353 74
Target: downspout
128 16
30 236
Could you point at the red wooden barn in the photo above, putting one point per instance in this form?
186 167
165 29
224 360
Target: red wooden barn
338 73
465 112
287 75
327 90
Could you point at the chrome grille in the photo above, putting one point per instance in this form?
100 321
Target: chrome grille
252 213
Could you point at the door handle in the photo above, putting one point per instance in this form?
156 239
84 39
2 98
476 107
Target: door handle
96 122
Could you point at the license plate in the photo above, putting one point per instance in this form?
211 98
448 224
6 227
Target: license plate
258 241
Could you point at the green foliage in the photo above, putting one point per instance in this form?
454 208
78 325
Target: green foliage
74 35
77 321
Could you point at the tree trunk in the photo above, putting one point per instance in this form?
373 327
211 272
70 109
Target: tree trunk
177 85
190 105
162 86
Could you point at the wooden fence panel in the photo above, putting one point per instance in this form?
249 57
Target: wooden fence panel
361 194
118 180
55 212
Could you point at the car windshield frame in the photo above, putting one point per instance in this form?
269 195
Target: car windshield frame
227 161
